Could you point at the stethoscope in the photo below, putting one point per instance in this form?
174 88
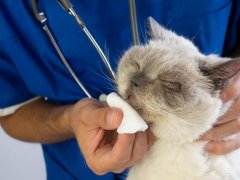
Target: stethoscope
68 7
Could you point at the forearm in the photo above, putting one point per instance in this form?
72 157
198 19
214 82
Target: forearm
39 121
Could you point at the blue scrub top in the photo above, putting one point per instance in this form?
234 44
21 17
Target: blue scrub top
30 67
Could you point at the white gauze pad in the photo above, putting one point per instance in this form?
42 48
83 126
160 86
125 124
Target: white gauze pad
132 121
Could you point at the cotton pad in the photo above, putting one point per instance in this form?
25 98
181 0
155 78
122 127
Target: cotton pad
132 121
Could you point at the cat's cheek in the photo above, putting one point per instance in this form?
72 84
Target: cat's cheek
122 89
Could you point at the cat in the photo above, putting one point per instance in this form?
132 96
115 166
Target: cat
176 90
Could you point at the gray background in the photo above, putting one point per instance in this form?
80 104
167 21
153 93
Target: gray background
19 160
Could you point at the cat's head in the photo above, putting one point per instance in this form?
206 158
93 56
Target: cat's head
172 85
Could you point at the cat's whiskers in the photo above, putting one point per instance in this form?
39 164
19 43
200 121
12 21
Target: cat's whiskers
111 88
105 76
197 32
154 107
123 81
144 33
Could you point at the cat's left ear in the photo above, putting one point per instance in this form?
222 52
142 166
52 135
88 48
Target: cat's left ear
156 31
222 72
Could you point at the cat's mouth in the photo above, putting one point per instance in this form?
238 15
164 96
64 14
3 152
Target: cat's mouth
131 98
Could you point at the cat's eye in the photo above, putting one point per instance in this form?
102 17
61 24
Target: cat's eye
172 86
135 64
138 80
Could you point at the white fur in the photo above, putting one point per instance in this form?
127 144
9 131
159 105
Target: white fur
169 160
176 154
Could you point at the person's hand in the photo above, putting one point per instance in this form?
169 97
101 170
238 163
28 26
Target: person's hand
104 150
228 124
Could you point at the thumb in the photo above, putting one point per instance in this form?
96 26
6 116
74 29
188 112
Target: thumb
104 117
108 118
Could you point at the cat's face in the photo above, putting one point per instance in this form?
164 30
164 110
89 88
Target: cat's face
170 83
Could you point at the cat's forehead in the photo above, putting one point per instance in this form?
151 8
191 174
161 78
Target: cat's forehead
155 58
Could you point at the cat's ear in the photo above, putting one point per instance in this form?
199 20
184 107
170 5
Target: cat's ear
221 72
156 31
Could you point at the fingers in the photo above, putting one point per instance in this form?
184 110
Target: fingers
140 146
128 149
233 112
223 130
102 152
223 147
122 149
220 132
111 158
139 149
232 91
150 138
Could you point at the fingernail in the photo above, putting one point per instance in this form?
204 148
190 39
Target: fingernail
110 117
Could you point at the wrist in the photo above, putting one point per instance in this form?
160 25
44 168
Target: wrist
59 122
71 117
66 118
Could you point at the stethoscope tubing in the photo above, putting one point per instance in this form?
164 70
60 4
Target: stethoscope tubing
67 6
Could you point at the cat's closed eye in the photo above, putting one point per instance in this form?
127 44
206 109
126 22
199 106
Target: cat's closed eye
138 80
134 64
171 86
173 92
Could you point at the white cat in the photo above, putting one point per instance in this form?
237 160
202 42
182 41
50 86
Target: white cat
176 89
